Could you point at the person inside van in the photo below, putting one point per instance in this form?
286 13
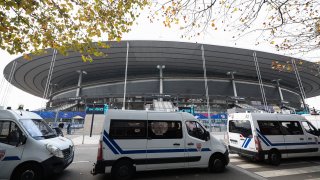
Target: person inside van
14 136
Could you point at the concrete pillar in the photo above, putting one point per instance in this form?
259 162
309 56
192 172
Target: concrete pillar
81 72
161 67
233 85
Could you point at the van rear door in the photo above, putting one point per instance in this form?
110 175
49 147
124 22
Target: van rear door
165 144
240 135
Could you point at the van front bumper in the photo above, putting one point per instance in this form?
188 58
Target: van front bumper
55 165
250 154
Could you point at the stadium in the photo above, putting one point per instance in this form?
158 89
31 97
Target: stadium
163 74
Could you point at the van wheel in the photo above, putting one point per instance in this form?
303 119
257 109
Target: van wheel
30 171
274 158
123 170
217 163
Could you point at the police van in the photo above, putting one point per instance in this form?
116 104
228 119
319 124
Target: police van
263 136
148 140
29 148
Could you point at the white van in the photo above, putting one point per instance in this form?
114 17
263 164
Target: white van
146 140
264 136
29 148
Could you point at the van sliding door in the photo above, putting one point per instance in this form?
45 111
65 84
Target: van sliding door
165 143
271 136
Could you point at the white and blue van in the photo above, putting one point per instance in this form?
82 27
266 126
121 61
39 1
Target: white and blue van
264 136
147 140
29 148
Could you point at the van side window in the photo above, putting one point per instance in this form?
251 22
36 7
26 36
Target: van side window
128 129
269 127
164 129
291 128
195 130
9 133
309 128
242 127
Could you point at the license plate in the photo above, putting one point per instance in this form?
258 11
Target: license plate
233 142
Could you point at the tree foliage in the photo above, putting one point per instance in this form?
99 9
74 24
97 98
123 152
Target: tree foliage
286 24
34 25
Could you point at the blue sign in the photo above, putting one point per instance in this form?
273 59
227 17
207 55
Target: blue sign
61 114
97 108
187 109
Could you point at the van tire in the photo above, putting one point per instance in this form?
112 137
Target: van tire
274 157
123 170
217 163
29 171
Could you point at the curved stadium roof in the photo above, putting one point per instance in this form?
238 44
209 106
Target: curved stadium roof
181 59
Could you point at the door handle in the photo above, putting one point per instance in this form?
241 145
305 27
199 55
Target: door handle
176 144
190 144
301 139
309 138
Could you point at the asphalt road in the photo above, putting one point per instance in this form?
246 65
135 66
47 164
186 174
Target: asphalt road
85 155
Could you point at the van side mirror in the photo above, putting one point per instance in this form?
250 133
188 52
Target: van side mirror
207 136
22 140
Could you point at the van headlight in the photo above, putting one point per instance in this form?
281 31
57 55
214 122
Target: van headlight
54 150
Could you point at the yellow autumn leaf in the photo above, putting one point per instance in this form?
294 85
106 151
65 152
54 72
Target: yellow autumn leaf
27 57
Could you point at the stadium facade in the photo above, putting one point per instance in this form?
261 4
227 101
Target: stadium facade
231 73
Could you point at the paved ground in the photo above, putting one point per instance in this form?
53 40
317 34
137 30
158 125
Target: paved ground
239 168
85 156
293 169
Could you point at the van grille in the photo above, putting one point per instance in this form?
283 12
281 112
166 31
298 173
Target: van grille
67 152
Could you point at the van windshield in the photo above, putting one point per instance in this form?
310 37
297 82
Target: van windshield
38 129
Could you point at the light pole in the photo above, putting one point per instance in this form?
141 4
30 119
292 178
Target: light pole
94 109
161 67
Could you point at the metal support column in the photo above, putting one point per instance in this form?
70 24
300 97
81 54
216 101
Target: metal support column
263 94
206 86
303 94
81 72
125 80
233 85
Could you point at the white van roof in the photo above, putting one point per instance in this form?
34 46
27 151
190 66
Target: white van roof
265 116
17 114
140 114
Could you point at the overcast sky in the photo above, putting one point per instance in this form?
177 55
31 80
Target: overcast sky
156 31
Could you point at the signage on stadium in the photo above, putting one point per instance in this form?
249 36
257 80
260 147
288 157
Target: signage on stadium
97 108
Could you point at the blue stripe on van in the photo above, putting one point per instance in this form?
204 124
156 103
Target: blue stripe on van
268 143
113 142
109 145
115 148
265 142
205 149
248 142
244 142
11 158
265 138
